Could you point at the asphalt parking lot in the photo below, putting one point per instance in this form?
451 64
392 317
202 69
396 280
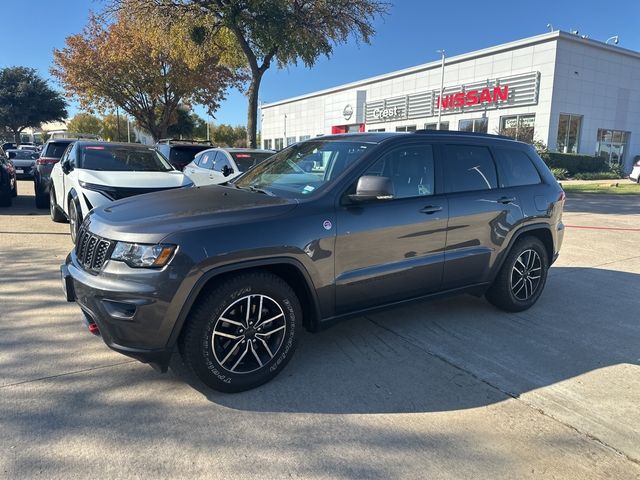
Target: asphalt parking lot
448 389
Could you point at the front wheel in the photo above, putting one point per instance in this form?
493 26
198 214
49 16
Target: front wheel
242 333
522 277
75 219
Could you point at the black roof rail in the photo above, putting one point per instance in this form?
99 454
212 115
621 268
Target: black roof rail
458 132
183 140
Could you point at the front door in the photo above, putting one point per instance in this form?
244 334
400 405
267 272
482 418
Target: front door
390 250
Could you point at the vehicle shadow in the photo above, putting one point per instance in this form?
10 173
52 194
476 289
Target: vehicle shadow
23 204
454 354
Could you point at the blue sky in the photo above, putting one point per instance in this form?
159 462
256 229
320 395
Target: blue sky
408 36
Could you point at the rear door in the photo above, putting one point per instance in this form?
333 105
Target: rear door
390 250
481 214
204 168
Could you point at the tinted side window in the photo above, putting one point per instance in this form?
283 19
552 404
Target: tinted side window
221 161
517 168
468 168
206 160
411 169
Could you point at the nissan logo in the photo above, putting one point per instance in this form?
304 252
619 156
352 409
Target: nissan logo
347 112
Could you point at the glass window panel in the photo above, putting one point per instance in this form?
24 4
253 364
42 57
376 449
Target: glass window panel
465 125
481 125
469 168
411 170
517 168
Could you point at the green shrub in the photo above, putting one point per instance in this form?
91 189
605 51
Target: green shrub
596 176
575 163
618 170
560 173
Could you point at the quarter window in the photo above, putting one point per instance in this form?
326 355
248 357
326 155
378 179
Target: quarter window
520 127
468 168
517 168
411 170
568 133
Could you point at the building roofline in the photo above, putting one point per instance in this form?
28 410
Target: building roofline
537 39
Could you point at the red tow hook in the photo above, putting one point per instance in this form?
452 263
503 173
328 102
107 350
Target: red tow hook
93 328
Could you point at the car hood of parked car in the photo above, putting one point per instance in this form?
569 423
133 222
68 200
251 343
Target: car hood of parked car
129 179
151 217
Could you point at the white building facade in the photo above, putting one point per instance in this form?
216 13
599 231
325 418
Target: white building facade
575 95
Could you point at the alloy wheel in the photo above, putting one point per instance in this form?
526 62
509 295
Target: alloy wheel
248 334
526 275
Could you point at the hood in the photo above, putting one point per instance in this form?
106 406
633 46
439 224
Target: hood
151 217
169 179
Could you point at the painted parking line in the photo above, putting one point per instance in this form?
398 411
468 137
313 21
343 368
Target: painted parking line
587 227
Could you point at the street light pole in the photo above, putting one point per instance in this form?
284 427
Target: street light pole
128 130
441 52
118 121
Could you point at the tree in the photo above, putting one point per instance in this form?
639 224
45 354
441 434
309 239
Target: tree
109 129
85 123
147 66
183 125
281 31
26 100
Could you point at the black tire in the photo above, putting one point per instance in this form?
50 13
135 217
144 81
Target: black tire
513 291
42 200
56 214
75 218
5 199
253 365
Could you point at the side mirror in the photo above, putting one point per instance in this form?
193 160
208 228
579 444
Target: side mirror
66 166
11 155
227 170
372 187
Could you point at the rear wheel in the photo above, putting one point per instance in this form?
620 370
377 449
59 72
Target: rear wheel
5 199
56 215
42 199
243 333
522 277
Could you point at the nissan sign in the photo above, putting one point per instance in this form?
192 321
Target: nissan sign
347 112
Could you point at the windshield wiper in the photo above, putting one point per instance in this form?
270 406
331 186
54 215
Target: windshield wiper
261 190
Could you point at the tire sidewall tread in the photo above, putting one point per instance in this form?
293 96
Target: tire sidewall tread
195 343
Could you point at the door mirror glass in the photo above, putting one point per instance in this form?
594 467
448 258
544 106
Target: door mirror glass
66 165
227 170
373 187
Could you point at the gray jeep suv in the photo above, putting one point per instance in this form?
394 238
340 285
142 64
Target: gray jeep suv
328 228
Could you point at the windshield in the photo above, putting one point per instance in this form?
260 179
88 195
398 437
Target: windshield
119 158
246 160
184 154
55 149
304 168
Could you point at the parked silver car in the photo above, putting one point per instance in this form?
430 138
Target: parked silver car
24 161
219 165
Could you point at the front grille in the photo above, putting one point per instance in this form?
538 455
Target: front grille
92 250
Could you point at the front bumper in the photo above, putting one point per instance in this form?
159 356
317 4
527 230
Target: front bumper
131 307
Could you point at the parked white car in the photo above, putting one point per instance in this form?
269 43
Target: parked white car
219 165
635 173
91 174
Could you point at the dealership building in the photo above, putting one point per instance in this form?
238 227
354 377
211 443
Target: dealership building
575 94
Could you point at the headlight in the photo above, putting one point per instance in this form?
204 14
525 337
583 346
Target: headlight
140 255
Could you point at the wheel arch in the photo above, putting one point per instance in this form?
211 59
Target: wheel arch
541 231
289 269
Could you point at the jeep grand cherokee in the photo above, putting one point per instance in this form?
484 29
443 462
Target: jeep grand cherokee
331 227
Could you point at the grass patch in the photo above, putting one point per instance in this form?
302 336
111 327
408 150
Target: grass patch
626 188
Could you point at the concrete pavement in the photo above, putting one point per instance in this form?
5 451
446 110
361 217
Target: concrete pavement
448 389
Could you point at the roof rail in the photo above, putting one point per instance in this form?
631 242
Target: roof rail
458 132
183 140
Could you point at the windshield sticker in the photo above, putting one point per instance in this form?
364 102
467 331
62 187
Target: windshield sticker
308 189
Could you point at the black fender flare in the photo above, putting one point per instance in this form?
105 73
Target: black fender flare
237 267
73 197
514 238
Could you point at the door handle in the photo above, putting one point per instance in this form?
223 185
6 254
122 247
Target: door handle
506 200
429 209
